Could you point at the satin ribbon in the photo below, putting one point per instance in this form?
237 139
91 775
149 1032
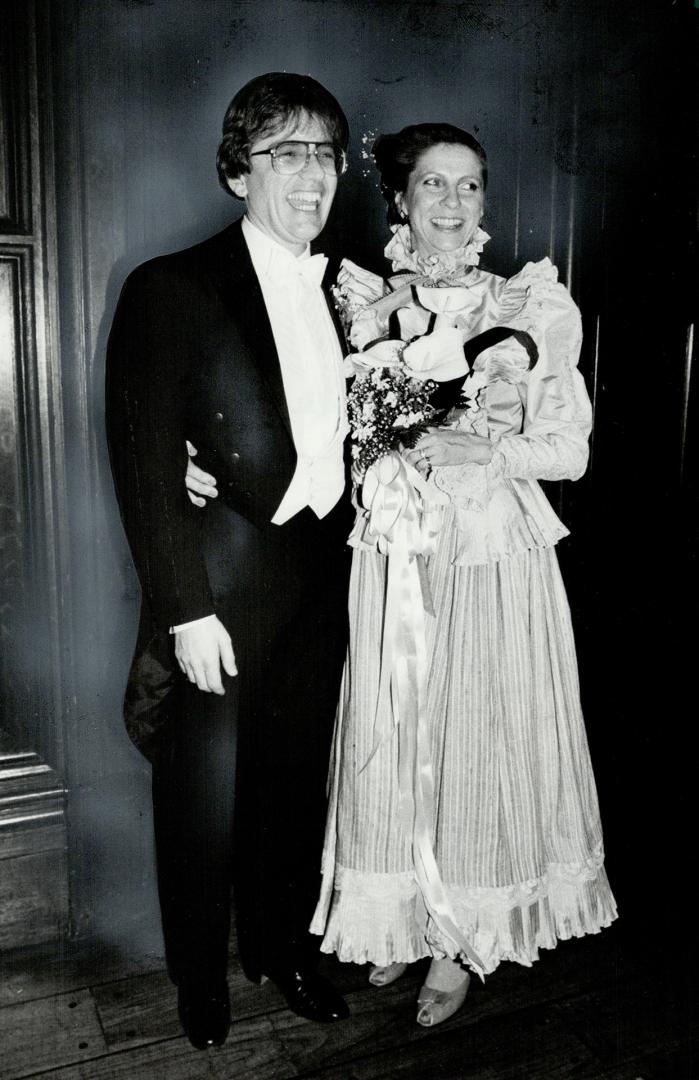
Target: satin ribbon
381 355
403 523
404 527
447 301
439 356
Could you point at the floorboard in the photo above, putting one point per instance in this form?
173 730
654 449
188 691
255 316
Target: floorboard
533 1045
36 1035
250 1053
594 1009
28 974
384 1018
631 1021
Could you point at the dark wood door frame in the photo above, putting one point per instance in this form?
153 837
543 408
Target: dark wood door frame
35 620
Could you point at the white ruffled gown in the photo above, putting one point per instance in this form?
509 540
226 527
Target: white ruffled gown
517 835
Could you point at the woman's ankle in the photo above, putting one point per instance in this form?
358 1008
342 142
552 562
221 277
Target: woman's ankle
446 974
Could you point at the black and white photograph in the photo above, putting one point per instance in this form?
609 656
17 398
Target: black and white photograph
348 486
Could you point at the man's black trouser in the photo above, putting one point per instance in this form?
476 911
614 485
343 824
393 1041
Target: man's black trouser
281 591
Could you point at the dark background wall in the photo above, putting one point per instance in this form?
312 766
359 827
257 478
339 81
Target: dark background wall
584 111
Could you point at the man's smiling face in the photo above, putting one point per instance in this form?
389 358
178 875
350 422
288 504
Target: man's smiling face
290 209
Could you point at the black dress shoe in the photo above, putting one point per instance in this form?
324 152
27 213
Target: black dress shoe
205 1015
309 995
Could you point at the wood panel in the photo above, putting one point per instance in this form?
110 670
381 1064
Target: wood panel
33 898
30 412
15 126
17 338
33 850
34 889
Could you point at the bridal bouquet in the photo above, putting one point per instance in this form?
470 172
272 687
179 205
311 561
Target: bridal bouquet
387 409
390 403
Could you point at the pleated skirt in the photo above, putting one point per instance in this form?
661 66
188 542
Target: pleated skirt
517 834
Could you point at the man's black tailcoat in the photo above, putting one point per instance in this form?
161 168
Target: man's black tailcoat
192 356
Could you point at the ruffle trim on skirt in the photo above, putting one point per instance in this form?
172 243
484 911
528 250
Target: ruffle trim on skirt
375 917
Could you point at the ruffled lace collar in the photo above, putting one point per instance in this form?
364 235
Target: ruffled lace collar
447 267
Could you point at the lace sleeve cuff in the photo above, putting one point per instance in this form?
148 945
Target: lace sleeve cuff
470 486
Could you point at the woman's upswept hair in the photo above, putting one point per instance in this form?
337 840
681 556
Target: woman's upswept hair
267 104
397 155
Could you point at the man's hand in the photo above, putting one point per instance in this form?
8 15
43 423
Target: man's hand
197 481
201 649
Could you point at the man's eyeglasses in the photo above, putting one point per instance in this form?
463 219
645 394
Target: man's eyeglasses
294 155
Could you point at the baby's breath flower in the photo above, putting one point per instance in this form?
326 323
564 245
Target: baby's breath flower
385 405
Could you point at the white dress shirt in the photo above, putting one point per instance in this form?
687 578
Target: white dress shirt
311 364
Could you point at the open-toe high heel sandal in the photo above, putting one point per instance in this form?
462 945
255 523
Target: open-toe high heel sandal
434 1006
382 976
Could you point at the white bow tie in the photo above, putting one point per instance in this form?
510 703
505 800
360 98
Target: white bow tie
313 268
283 267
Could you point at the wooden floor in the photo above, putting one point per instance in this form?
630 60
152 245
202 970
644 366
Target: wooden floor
590 1009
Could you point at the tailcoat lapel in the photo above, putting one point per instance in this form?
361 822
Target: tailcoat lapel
240 288
329 278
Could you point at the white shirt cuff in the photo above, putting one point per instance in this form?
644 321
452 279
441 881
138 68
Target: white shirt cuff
194 622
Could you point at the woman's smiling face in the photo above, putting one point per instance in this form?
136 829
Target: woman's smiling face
444 200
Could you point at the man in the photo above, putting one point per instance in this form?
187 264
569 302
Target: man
232 345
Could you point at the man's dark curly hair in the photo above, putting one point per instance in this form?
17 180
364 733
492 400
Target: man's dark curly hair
267 104
396 156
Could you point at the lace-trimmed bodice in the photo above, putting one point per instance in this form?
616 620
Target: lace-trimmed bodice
539 420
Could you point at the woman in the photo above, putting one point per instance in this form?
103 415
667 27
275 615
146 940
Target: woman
514 822
463 818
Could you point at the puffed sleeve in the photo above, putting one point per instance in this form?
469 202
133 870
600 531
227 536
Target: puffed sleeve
356 292
553 443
